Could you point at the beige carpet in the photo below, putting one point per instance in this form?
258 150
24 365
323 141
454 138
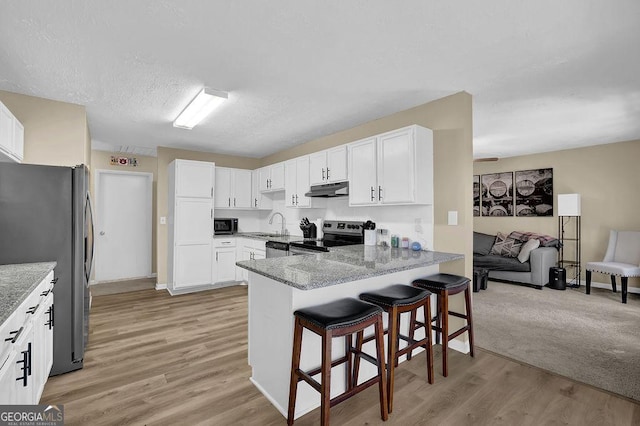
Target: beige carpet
593 339
115 287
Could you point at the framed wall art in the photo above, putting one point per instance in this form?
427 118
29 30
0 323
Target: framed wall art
534 192
476 195
497 194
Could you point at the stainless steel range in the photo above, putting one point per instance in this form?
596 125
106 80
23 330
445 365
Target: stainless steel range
335 233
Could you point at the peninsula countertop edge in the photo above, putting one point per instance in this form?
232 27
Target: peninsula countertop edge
343 264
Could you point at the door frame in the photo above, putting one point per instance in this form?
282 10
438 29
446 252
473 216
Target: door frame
149 177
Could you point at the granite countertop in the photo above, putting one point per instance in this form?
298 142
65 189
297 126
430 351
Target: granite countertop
17 282
343 264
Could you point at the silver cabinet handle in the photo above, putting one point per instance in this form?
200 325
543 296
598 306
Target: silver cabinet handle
379 193
327 173
372 194
323 173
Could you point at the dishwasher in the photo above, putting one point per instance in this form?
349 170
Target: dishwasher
276 249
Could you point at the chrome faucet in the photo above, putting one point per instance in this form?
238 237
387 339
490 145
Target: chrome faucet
284 229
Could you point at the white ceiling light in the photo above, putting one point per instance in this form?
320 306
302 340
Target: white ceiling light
206 101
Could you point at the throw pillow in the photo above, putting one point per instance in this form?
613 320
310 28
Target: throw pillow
482 243
527 248
506 246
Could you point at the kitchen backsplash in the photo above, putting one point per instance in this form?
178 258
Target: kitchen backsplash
400 220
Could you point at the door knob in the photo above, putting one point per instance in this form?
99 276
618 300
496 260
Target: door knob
101 232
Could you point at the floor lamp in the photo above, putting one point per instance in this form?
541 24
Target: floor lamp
569 211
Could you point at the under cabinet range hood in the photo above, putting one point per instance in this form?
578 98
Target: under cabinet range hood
339 189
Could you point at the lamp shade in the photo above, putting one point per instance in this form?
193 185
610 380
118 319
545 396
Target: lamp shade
569 205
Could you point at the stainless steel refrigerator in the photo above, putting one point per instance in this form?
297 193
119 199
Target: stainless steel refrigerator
45 215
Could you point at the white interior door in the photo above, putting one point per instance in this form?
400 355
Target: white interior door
123 237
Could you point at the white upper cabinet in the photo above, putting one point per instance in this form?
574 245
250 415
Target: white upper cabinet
194 179
363 182
272 177
392 168
11 136
258 199
328 166
233 188
297 182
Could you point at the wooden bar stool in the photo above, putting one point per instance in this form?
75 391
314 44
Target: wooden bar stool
445 285
335 319
396 300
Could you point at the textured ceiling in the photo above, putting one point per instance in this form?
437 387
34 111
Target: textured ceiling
544 75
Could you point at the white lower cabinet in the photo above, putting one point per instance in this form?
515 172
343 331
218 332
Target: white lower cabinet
249 249
26 361
225 259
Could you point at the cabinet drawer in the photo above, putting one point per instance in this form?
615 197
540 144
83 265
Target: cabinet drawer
224 242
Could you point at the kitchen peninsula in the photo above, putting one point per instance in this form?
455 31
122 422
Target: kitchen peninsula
280 286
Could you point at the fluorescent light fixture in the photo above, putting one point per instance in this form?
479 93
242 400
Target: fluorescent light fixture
569 205
201 106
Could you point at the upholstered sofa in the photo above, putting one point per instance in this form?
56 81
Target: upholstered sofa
532 272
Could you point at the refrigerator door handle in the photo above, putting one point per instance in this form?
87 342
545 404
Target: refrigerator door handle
93 242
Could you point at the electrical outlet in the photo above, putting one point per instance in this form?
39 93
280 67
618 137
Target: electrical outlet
163 220
418 225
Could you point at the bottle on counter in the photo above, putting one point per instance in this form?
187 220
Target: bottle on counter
405 242
395 241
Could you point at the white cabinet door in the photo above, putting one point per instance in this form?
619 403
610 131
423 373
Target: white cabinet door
6 129
18 139
226 264
318 168
277 177
193 221
224 183
194 265
290 185
297 182
258 199
194 179
24 384
264 179
363 188
8 394
337 164
302 182
396 170
242 189
42 348
193 242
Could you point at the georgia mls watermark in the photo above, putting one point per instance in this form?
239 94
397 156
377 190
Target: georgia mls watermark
31 415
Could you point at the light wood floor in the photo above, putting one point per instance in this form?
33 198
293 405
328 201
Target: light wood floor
157 359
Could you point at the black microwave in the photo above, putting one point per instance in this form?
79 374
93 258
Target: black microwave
225 225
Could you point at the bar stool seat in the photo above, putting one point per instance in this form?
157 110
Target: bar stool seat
444 285
342 317
396 300
341 313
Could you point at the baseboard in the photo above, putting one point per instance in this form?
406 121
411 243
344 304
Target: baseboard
160 286
460 346
177 292
94 282
607 286
277 406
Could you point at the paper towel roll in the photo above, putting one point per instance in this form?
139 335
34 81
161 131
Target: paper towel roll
369 237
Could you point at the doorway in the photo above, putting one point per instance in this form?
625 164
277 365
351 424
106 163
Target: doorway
123 225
